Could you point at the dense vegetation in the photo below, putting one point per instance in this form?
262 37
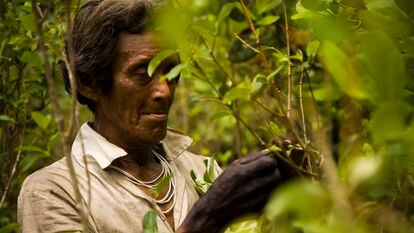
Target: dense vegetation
333 76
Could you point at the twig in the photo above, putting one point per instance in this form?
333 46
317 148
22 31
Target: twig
57 112
211 53
249 21
301 107
289 74
253 29
313 98
245 43
16 161
204 77
74 87
269 110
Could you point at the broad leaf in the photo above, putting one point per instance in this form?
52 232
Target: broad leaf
149 222
158 59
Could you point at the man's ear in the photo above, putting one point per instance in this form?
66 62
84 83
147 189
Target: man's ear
91 91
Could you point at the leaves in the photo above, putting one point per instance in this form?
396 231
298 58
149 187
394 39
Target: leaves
224 13
315 5
156 61
341 68
263 6
267 20
41 120
149 222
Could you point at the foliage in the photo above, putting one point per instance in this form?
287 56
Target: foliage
331 75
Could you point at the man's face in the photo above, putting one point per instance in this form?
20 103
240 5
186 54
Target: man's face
135 112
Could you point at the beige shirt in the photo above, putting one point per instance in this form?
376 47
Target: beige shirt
47 201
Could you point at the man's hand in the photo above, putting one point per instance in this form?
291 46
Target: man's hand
243 187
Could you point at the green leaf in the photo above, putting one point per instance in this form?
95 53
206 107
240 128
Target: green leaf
267 20
221 114
236 93
387 75
30 160
224 13
7 119
10 228
407 6
149 222
315 5
276 129
161 184
394 25
389 121
275 72
31 148
31 58
174 72
206 175
41 120
408 44
29 22
200 185
305 199
341 69
263 6
156 61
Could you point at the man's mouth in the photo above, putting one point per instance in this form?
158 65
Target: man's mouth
156 115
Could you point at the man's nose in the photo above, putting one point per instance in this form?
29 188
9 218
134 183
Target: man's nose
162 89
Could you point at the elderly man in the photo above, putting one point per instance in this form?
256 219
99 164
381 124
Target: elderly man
121 156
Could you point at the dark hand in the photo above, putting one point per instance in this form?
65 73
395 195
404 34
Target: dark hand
242 188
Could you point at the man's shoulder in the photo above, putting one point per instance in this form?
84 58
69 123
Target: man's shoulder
50 177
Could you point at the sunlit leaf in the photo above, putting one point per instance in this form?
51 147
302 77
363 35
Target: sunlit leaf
175 72
388 72
305 199
41 120
340 67
6 118
224 13
32 58
236 93
266 5
267 20
156 61
315 5
29 22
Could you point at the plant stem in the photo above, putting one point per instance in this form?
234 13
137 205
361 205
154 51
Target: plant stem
16 161
301 107
249 21
58 114
289 74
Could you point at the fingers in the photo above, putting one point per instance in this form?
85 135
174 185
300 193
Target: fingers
262 164
254 156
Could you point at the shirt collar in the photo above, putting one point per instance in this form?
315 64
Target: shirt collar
89 142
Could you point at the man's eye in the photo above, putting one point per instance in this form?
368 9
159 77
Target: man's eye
142 74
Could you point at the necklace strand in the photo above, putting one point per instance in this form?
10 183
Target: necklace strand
166 170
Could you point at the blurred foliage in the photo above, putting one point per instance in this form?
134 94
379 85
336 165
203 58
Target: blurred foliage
249 78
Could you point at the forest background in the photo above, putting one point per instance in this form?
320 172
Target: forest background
332 76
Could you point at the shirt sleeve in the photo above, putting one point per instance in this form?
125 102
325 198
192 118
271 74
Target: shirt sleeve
47 210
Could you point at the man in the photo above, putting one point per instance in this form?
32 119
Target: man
122 155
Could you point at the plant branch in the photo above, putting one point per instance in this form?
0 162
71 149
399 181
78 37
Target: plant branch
289 74
249 21
57 112
16 161
301 107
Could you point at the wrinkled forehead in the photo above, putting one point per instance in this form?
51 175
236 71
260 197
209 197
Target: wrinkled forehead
138 44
